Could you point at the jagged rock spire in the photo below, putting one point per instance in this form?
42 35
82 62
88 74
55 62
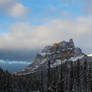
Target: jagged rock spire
71 43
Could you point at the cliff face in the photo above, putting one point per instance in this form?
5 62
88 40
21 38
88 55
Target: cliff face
59 52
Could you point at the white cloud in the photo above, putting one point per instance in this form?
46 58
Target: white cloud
18 10
13 8
32 37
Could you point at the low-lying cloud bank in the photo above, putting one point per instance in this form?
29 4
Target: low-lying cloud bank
14 62
25 36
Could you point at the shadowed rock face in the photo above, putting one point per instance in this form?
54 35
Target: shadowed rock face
59 52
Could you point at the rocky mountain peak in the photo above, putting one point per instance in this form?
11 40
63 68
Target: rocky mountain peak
71 42
62 48
63 45
64 51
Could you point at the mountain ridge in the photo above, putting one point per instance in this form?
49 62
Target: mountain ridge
57 53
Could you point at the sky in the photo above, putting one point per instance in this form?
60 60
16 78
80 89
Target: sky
33 24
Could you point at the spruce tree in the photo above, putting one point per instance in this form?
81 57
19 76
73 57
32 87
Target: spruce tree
48 74
41 83
71 79
60 83
62 79
86 75
78 76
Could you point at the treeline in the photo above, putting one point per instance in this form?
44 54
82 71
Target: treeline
70 77
12 83
67 77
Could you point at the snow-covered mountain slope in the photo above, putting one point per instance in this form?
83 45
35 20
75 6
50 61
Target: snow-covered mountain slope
59 52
